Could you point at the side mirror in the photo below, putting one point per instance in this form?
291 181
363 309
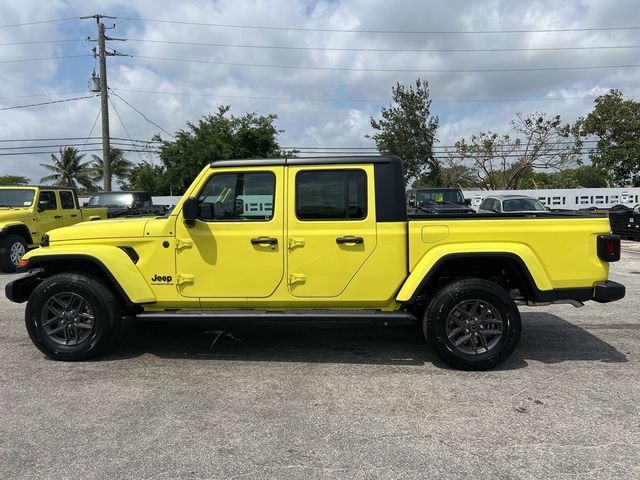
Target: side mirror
412 202
190 211
85 204
137 205
467 202
43 205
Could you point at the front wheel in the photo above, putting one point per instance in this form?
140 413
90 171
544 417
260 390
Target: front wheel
472 324
72 317
12 248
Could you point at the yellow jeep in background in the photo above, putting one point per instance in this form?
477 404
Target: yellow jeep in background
27 213
313 238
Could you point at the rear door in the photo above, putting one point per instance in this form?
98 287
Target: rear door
69 210
331 227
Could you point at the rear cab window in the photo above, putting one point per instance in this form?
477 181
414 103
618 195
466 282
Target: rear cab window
331 195
67 200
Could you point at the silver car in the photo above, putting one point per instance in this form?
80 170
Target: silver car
511 204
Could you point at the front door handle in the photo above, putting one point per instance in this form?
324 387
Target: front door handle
354 240
264 241
57 216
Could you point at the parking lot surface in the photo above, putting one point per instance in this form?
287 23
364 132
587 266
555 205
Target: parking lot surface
339 400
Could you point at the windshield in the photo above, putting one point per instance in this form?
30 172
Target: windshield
522 205
426 197
111 200
16 197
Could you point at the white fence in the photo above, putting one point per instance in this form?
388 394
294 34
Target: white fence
571 199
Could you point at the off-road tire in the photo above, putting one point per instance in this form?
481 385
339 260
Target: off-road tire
464 301
100 304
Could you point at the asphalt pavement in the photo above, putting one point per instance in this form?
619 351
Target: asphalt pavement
340 400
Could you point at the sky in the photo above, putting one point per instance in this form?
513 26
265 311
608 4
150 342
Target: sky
353 53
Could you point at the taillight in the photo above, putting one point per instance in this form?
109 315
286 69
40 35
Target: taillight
609 248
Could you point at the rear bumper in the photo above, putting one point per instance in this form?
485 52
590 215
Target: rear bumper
604 292
608 291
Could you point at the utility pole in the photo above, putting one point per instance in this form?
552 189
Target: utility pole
104 105
104 100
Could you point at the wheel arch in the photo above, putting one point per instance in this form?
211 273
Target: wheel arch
508 266
19 229
116 269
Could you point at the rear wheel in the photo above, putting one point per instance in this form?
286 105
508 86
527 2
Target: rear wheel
472 324
12 248
72 317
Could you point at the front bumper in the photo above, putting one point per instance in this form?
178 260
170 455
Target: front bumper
20 289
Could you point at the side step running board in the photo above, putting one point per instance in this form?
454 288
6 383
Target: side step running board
363 315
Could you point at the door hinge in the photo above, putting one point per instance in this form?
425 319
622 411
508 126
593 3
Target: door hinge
184 279
181 244
295 242
297 278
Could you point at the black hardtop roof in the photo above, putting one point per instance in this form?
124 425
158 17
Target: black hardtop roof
418 189
333 160
42 187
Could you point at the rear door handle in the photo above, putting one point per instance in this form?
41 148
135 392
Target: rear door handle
264 241
355 240
74 215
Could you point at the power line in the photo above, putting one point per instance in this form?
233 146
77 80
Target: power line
46 103
354 100
125 129
344 30
392 70
60 139
28 147
37 42
23 60
43 94
144 116
392 50
48 152
91 131
39 22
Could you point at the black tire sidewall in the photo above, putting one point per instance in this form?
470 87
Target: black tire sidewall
437 312
101 302
5 255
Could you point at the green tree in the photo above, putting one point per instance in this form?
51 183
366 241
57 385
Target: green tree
615 122
408 130
13 180
147 177
69 170
586 176
120 166
505 162
217 137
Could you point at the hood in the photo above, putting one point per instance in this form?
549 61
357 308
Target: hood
116 228
16 213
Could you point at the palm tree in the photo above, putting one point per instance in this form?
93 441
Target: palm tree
120 166
69 170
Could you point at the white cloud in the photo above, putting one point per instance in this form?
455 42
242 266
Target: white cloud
310 122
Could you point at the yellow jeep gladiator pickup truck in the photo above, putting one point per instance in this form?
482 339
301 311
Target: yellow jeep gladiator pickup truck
27 213
313 238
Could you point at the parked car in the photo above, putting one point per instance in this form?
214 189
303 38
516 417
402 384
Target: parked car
425 201
28 212
126 204
311 239
511 204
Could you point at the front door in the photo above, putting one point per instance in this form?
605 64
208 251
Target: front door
48 216
331 227
235 249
